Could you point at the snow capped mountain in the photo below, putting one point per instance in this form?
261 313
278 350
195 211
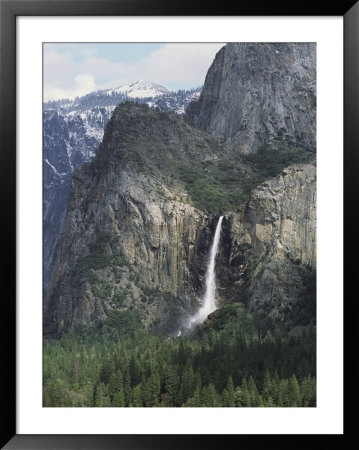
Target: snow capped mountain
72 132
141 89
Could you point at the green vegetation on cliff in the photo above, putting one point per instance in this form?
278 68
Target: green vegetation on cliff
270 160
216 178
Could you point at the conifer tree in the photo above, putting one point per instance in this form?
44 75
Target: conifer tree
253 391
282 393
308 391
267 386
238 397
195 400
127 387
98 396
293 392
115 383
269 402
247 401
171 386
211 396
106 370
275 386
134 371
187 383
225 398
245 393
137 396
153 389
230 400
203 396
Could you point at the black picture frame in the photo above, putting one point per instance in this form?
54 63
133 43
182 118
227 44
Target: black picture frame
9 10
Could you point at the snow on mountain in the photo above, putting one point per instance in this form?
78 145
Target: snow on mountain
72 132
141 89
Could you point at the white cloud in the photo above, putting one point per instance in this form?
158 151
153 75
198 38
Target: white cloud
81 85
173 65
180 62
84 82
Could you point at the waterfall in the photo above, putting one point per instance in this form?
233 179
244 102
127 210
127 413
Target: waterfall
209 299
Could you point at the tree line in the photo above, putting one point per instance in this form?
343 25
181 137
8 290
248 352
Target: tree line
119 364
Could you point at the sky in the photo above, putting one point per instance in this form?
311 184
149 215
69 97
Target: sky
75 69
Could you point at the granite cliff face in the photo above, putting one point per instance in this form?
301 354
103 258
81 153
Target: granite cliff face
268 258
131 239
72 133
256 92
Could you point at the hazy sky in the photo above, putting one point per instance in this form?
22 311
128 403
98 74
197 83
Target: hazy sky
72 70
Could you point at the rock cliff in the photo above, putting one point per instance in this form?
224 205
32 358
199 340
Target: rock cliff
72 133
131 238
268 256
256 92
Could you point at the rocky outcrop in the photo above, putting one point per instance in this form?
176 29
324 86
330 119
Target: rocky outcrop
131 239
72 133
268 254
254 93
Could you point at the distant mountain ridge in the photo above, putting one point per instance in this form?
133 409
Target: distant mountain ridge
72 132
153 94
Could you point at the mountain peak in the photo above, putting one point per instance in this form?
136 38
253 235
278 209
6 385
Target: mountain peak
141 89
